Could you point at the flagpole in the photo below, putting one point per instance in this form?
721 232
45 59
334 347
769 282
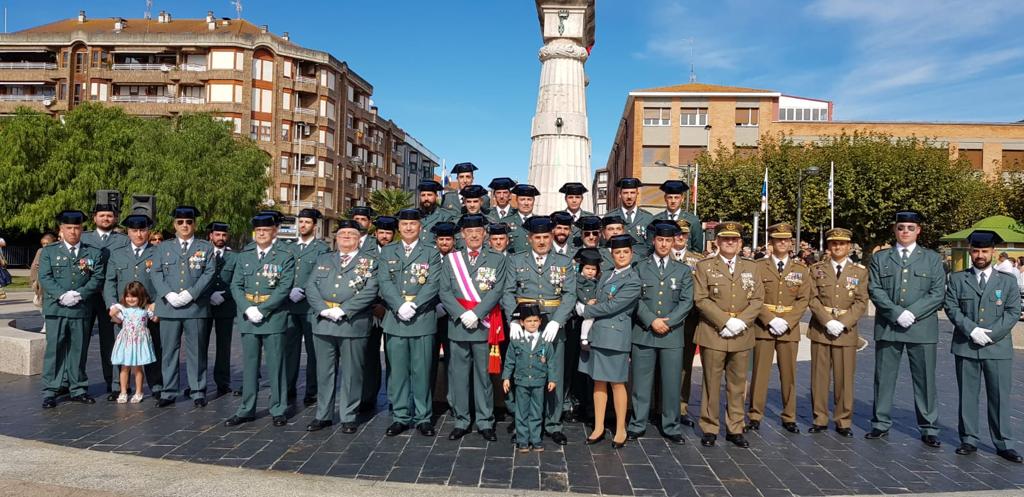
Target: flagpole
832 191
766 203
696 175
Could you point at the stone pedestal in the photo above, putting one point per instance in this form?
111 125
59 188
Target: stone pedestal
21 352
560 149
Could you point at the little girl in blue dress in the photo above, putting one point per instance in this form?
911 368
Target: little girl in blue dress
133 347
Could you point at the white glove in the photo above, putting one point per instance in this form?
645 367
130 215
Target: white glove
835 328
726 333
778 326
334 313
579 309
980 336
515 330
76 295
585 329
551 331
440 310
184 298
253 314
735 326
217 298
67 299
469 319
407 311
172 298
296 295
906 319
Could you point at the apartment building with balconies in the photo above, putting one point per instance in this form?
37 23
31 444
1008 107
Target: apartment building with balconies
417 162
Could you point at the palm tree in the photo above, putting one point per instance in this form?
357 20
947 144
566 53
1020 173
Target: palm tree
389 201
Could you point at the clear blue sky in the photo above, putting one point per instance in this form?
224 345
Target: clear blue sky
461 75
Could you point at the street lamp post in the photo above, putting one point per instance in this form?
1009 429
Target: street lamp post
804 174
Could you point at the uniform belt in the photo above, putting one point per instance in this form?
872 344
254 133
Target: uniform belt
778 309
332 305
732 314
257 299
409 298
836 312
541 302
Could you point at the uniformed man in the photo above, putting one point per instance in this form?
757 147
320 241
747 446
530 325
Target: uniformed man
561 232
386 226
681 248
430 212
263 278
445 242
984 305
729 295
588 233
107 240
519 238
472 199
839 297
342 291
674 191
573 201
222 305
611 226
183 270
541 277
497 237
134 262
453 201
71 276
907 285
306 249
787 290
635 218
408 278
501 189
681 253
363 215
665 301
471 289
385 233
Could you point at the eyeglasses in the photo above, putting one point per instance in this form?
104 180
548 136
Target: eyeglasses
590 233
181 222
906 227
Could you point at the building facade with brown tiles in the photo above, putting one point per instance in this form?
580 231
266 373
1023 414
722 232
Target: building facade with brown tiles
663 130
310 112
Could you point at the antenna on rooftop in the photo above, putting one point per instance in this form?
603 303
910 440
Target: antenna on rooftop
149 10
693 72
238 8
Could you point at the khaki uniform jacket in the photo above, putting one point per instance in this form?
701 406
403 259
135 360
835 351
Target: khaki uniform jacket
790 289
719 296
830 297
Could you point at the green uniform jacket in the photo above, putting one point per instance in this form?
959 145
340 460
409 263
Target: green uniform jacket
305 260
123 268
638 229
667 294
696 240
268 282
59 273
488 277
452 202
494 216
530 368
410 279
224 270
586 289
174 273
114 241
918 288
369 246
428 221
518 238
617 300
353 288
553 281
997 308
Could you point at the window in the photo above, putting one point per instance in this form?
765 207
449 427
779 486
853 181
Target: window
225 92
284 194
80 62
694 116
351 121
747 117
222 59
803 114
262 100
287 68
654 154
351 93
657 117
260 130
234 122
286 131
286 100
285 160
263 69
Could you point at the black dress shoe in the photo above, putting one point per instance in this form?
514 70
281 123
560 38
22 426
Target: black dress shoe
708 440
676 439
965 449
1010 455
791 427
237 393
846 432
592 441
818 429
165 402
187 392
200 402
457 433
49 402
752 425
309 401
511 426
559 438
686 420
223 390
633 435
62 391
489 435
237 420
349 428
738 440
280 420
292 395
318 424
112 396
618 445
426 429
83 399
875 434
396 428
931 440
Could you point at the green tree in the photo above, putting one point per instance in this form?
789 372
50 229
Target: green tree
48 165
1009 186
388 201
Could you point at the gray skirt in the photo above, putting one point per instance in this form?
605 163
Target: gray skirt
605 365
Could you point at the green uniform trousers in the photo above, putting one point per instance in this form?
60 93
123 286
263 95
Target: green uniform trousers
67 340
467 372
998 376
350 354
371 370
409 388
670 373
922 374
105 329
221 329
580 392
529 406
300 330
195 331
553 400
272 347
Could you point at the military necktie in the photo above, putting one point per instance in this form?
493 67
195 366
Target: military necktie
344 260
302 246
781 265
473 255
408 250
74 252
138 253
730 264
540 261
673 217
982 281
184 247
262 253
839 269
906 255
661 266
103 237
629 217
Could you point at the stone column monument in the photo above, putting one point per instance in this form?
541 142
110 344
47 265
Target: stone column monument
560 150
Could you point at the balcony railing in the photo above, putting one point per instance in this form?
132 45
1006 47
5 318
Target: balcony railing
25 98
305 111
192 100
301 203
193 67
142 67
27 65
140 99
309 143
304 79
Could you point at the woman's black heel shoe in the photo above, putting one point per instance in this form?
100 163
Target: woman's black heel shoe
592 441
